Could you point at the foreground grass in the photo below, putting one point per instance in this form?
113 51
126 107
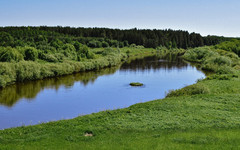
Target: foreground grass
205 139
209 121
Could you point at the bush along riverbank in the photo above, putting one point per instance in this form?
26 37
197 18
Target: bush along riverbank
17 70
200 116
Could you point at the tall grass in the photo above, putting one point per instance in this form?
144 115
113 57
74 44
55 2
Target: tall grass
214 60
11 72
29 70
199 54
189 90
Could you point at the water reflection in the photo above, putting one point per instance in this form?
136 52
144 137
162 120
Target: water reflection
155 63
29 90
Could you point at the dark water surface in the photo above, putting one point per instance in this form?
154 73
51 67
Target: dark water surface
84 93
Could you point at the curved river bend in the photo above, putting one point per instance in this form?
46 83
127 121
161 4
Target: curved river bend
84 93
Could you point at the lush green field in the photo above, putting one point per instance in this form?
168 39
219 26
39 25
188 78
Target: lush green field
201 116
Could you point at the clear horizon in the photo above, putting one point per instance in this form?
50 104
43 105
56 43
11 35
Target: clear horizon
216 17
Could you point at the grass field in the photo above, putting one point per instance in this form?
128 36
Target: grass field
201 116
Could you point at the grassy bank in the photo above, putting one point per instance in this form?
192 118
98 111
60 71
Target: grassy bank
201 116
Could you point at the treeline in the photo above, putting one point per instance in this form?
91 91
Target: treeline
104 37
32 36
33 44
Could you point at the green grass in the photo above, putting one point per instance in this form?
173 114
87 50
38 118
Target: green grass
201 116
204 139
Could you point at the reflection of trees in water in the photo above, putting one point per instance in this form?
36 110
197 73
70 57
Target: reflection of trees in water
29 90
155 63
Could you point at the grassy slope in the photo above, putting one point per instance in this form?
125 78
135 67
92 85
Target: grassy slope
209 121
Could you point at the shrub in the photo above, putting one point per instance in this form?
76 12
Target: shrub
85 53
126 43
7 74
198 54
77 46
9 54
133 45
6 39
56 43
105 44
92 44
69 47
28 71
69 51
90 55
121 45
49 57
139 47
189 90
217 64
59 56
98 44
83 49
47 48
31 54
219 60
109 51
225 70
114 43
227 54
222 76
232 46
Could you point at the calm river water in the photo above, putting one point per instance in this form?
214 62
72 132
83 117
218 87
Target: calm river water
84 93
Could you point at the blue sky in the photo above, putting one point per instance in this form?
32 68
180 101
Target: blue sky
214 17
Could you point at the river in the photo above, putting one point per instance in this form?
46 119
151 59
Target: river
67 97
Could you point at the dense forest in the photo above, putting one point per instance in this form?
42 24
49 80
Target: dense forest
104 37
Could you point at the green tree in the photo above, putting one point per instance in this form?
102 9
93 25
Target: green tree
92 44
6 39
10 54
105 44
31 53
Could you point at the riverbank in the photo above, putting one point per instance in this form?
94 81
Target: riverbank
13 72
200 116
